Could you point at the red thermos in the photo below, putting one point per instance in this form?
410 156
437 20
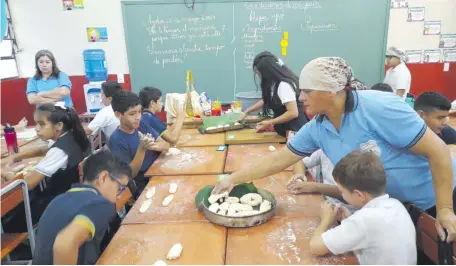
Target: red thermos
11 139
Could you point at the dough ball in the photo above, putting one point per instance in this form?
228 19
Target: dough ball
168 200
150 193
224 206
145 206
240 207
231 212
175 252
265 206
214 207
173 151
214 198
272 148
173 188
222 212
160 263
232 200
252 199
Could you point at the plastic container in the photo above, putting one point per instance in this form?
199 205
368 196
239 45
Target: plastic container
11 140
248 99
92 93
95 65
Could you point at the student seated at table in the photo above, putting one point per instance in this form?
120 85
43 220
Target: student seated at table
381 232
59 168
105 118
324 184
382 87
434 108
152 102
72 227
129 140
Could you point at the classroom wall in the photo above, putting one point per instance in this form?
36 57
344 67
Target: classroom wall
43 25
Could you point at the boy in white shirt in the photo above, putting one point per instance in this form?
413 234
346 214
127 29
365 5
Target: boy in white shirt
105 118
381 232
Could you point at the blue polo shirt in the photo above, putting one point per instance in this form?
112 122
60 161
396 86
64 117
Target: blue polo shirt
39 85
384 123
126 145
152 120
84 205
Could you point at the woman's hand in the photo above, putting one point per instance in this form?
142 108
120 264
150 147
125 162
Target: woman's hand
242 116
22 124
263 126
222 186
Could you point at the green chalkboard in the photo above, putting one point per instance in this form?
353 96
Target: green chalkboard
217 40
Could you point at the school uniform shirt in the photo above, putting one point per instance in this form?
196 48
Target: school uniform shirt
105 120
152 120
381 232
322 169
84 205
125 145
399 78
42 85
448 135
382 123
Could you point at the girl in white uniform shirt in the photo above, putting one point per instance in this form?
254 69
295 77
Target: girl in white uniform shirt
279 88
398 76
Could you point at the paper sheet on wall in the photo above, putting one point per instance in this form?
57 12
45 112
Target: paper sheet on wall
432 27
415 14
447 41
399 3
97 34
449 55
414 56
69 5
432 56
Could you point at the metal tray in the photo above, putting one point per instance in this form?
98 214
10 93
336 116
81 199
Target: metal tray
246 221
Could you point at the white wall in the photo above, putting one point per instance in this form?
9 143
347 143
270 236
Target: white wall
42 24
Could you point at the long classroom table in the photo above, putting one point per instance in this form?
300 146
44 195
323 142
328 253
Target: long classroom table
146 238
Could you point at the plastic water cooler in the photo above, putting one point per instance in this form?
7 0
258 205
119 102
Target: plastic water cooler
96 73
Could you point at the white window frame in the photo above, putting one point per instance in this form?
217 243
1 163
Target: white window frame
12 37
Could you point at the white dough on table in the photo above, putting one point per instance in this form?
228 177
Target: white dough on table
272 148
215 197
186 157
173 188
173 151
232 200
224 206
231 212
175 252
150 193
222 212
146 204
240 207
265 206
160 263
214 207
168 200
252 199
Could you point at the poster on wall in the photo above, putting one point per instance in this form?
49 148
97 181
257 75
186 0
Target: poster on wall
431 56
414 56
432 27
399 3
449 55
97 34
447 41
415 14
69 5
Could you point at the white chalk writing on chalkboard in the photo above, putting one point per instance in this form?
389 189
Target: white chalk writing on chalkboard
283 5
309 26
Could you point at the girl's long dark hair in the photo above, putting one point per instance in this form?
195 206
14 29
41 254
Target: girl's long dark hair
272 73
55 70
70 120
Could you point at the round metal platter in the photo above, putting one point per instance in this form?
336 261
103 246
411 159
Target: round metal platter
246 221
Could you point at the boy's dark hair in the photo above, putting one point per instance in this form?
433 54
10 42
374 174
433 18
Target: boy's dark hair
104 161
149 94
70 120
124 100
382 87
429 102
363 171
110 88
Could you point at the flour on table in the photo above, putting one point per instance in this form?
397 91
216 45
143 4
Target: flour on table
173 151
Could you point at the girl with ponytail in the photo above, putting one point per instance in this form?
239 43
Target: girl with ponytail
68 145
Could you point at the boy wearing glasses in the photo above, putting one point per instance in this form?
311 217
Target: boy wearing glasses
73 225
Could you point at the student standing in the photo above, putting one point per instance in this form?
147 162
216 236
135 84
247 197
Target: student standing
381 232
59 167
129 141
49 84
152 102
417 162
74 224
434 108
279 89
398 75
105 118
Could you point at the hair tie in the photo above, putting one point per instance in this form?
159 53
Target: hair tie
61 105
280 62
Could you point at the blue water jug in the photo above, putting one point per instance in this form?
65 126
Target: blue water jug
95 65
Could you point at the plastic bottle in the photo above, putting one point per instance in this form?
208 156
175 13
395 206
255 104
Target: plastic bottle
11 139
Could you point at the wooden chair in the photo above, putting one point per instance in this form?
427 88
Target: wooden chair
427 239
96 140
12 195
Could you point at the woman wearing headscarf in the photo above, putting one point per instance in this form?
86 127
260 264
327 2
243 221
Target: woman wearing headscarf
416 161
49 84
398 75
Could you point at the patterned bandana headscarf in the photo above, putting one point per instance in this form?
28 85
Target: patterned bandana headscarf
393 51
326 74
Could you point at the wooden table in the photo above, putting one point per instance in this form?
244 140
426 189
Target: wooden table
279 241
26 146
204 161
203 243
245 156
248 136
190 131
201 140
192 122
